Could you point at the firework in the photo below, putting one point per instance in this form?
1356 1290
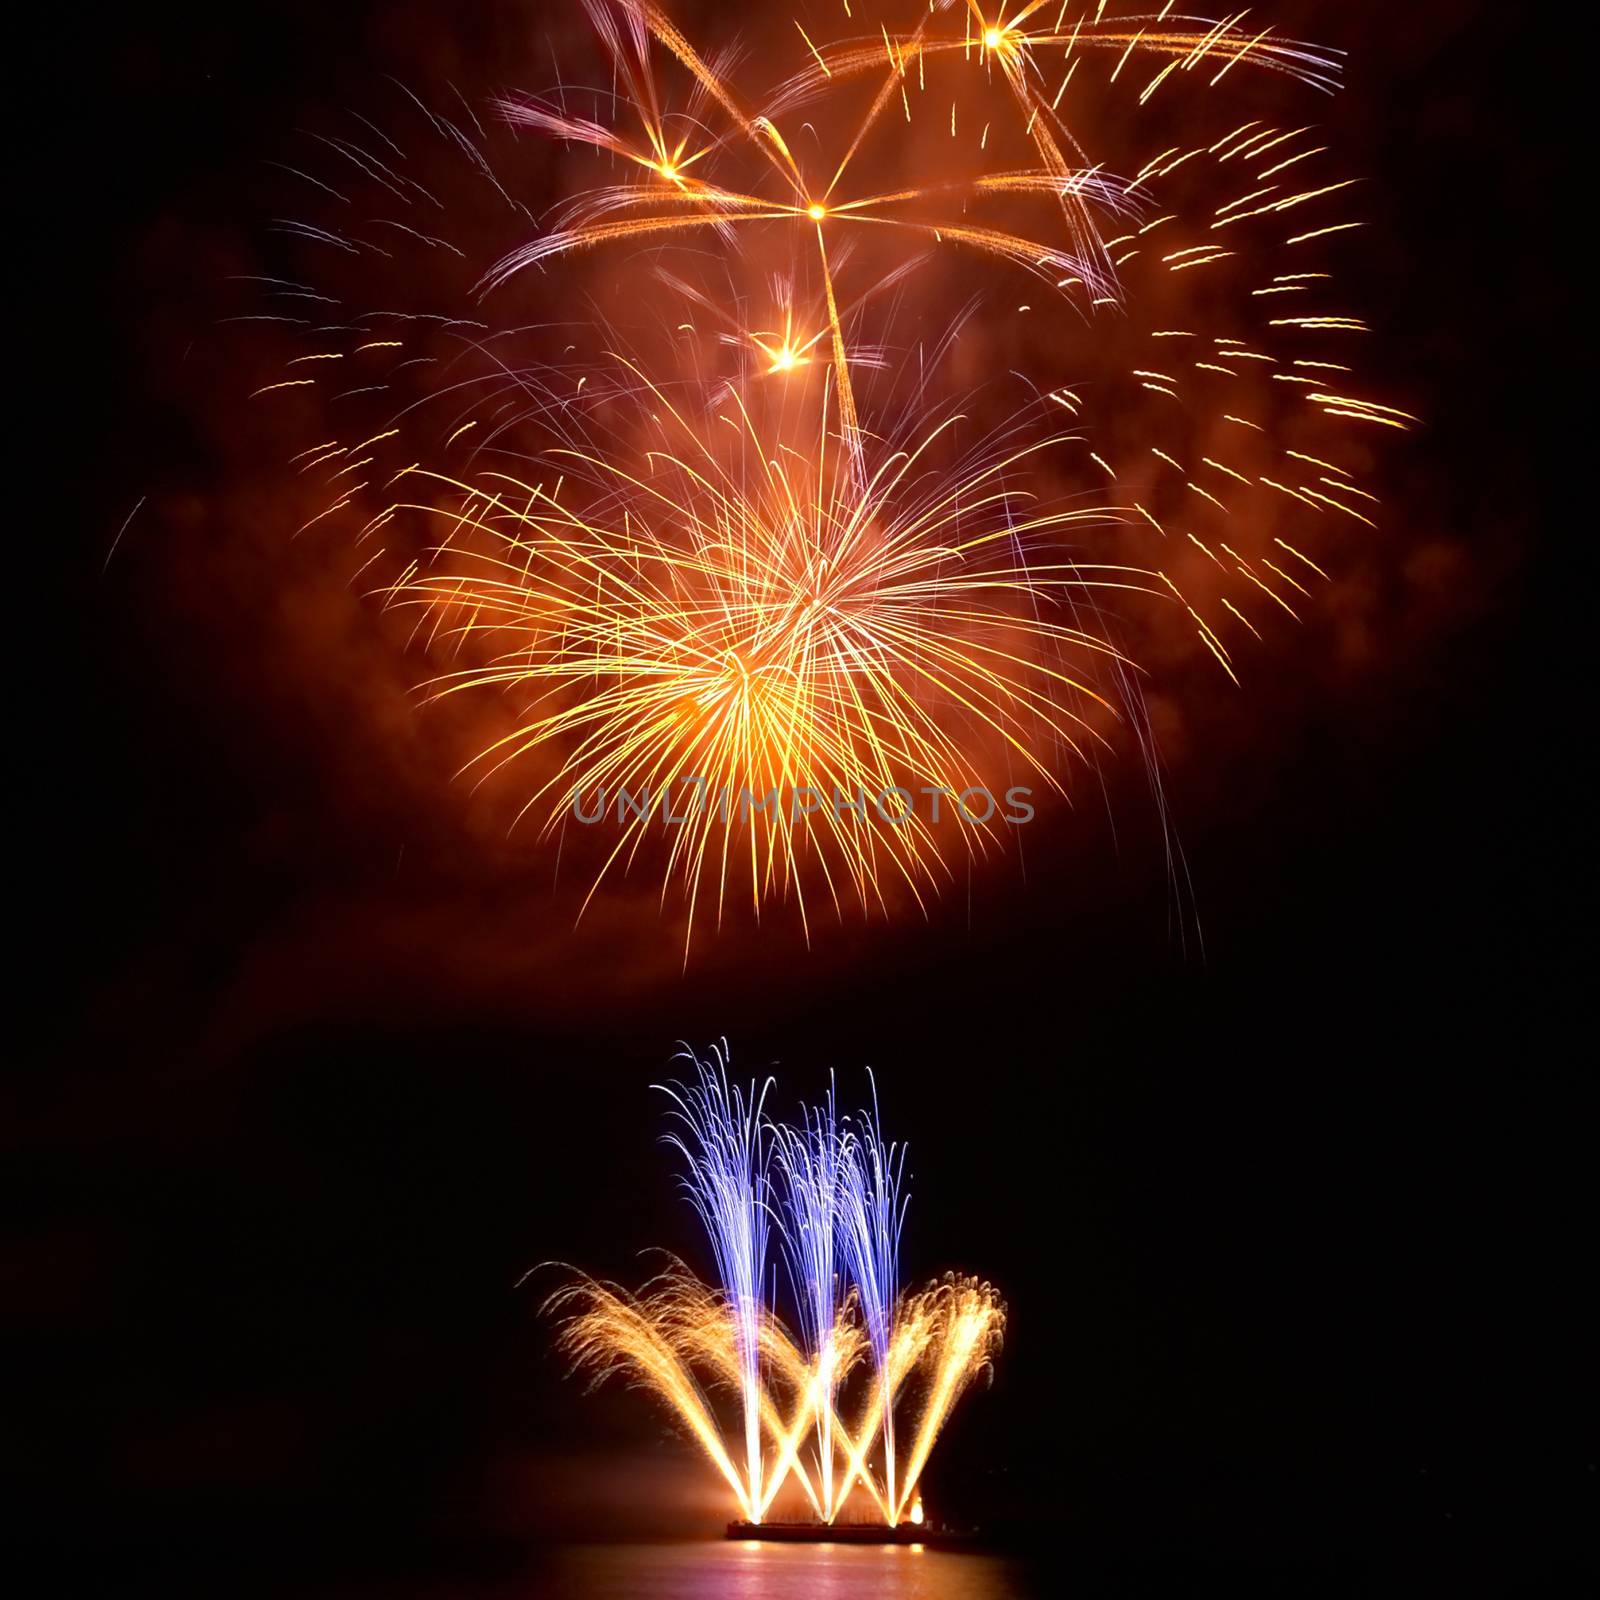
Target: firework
722 1140
733 620
872 1211
968 1320
666 198
645 1336
841 1209
774 549
809 1222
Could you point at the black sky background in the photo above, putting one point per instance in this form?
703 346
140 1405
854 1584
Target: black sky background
1295 1236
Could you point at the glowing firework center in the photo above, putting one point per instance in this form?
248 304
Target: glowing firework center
838 1409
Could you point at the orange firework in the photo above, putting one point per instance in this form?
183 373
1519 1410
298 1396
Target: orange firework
743 641
789 578
678 1340
670 198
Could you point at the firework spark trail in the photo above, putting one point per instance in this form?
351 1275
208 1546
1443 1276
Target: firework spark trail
808 1219
1188 42
606 1330
872 1213
970 1320
724 1147
817 1388
708 1337
909 1342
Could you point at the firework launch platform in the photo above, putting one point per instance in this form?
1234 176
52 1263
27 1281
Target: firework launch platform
848 1533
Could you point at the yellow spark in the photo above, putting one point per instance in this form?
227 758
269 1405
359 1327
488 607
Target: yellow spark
1240 615
1300 556
1320 233
1221 468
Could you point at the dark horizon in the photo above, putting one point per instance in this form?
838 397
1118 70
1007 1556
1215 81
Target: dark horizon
1287 1187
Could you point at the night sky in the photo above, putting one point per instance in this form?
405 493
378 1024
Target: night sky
1289 1190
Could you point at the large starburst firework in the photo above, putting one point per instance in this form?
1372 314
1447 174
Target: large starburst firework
740 558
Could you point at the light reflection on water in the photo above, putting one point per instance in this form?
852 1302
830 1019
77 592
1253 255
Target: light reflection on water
749 1570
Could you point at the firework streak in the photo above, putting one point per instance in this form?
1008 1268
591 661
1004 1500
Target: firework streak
712 523
836 1191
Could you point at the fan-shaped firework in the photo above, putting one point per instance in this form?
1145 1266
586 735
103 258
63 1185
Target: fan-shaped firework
882 1353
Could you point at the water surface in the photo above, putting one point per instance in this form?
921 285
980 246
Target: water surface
750 1570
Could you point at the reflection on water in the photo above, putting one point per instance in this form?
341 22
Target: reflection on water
753 1571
